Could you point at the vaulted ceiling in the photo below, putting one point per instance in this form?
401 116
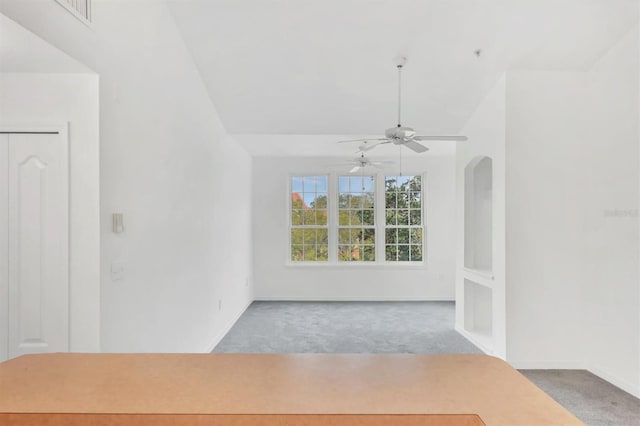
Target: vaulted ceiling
287 67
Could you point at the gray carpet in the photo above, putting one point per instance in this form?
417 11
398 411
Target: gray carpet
591 399
346 327
408 327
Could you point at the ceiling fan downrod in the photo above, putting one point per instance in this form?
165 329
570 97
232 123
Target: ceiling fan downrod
400 62
399 92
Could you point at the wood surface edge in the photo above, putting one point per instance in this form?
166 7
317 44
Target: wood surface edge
98 419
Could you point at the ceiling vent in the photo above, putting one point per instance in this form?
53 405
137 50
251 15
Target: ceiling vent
81 9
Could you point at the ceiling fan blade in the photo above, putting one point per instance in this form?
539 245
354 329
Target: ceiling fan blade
354 140
362 140
343 165
441 138
354 169
415 146
366 147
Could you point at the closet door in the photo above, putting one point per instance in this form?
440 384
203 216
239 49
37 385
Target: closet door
4 246
38 244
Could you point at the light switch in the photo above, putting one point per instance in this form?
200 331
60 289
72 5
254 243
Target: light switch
118 223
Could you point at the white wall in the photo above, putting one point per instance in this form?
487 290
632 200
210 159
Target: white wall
572 225
570 193
548 194
37 99
486 132
182 184
276 280
21 51
168 164
612 243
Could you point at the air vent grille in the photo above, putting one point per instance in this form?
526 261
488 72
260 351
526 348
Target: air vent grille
81 9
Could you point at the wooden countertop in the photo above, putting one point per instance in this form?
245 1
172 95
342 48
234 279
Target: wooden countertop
256 384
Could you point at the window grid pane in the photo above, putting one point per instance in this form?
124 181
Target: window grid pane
308 216
356 219
403 219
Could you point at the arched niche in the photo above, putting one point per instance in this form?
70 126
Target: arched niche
478 214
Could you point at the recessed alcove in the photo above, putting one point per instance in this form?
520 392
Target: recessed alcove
478 313
478 215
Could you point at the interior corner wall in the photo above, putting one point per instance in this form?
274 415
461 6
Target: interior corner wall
37 99
486 132
167 163
572 221
276 280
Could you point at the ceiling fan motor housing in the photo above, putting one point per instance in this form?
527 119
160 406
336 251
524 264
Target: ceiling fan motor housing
403 133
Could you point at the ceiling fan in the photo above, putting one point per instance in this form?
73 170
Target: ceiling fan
362 162
402 135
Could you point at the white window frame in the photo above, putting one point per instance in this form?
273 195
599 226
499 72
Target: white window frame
339 227
380 224
422 220
290 225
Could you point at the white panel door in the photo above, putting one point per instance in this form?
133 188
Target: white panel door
4 246
38 219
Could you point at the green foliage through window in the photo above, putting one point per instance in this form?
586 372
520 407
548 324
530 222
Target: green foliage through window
356 219
309 219
403 219
350 221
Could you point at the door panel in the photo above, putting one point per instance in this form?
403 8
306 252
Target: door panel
38 244
4 246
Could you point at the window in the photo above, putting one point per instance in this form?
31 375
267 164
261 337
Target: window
356 219
309 224
403 219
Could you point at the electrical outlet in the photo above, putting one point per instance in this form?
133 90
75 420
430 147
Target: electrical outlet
219 304
118 271
246 282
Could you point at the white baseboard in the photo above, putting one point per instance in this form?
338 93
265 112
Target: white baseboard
347 299
547 365
226 329
616 381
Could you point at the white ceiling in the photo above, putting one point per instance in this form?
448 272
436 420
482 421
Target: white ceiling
301 67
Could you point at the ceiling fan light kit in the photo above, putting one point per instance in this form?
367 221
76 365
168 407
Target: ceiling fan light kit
402 135
362 162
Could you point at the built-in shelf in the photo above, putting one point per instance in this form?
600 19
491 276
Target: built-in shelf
477 269
478 313
478 214
484 278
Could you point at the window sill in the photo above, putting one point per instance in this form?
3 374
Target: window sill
357 265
